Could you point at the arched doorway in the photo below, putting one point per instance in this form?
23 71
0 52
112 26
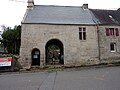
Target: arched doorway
35 57
54 52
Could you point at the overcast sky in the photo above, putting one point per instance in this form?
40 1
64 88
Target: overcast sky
12 12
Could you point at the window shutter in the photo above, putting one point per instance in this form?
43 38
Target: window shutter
117 31
107 32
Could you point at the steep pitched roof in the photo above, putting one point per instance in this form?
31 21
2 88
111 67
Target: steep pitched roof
118 10
58 15
107 17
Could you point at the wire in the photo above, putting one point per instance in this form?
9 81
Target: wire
18 1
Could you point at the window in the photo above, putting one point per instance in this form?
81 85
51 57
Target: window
112 32
82 33
113 47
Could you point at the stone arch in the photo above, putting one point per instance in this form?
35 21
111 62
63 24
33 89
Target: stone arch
35 55
54 51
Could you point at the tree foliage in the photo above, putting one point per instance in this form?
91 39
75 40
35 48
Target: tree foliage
11 39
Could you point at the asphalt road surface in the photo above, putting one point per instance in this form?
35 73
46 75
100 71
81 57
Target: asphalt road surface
107 78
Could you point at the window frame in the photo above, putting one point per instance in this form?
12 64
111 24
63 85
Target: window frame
82 33
114 47
112 31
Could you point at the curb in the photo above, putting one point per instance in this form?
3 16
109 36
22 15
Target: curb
58 69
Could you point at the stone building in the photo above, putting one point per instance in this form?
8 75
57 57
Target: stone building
67 35
109 38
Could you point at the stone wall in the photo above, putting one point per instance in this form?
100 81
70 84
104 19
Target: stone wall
76 52
106 55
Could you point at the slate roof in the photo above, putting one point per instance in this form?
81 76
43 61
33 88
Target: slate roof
107 17
59 15
118 10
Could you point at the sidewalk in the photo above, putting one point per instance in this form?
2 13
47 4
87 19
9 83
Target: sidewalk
57 68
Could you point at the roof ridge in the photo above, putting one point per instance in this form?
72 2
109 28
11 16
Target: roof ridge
58 6
104 9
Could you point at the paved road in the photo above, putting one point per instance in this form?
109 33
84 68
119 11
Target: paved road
71 79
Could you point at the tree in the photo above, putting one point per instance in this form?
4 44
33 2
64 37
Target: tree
11 39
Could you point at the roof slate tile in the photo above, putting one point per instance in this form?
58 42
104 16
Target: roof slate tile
58 15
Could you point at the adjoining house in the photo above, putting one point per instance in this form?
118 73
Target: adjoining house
108 33
68 35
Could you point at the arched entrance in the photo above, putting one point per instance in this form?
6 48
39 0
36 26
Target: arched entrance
35 57
54 52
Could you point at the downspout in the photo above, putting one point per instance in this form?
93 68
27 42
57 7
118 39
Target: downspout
98 37
96 21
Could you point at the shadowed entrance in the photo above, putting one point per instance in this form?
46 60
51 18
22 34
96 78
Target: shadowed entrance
54 52
35 57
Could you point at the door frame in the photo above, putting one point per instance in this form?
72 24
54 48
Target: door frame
35 57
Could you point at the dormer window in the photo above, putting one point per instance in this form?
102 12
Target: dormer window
110 16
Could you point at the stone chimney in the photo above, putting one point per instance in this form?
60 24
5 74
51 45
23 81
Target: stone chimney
30 4
85 6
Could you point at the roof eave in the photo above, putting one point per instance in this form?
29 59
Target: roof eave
62 24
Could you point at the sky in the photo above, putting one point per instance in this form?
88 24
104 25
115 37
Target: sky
12 11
